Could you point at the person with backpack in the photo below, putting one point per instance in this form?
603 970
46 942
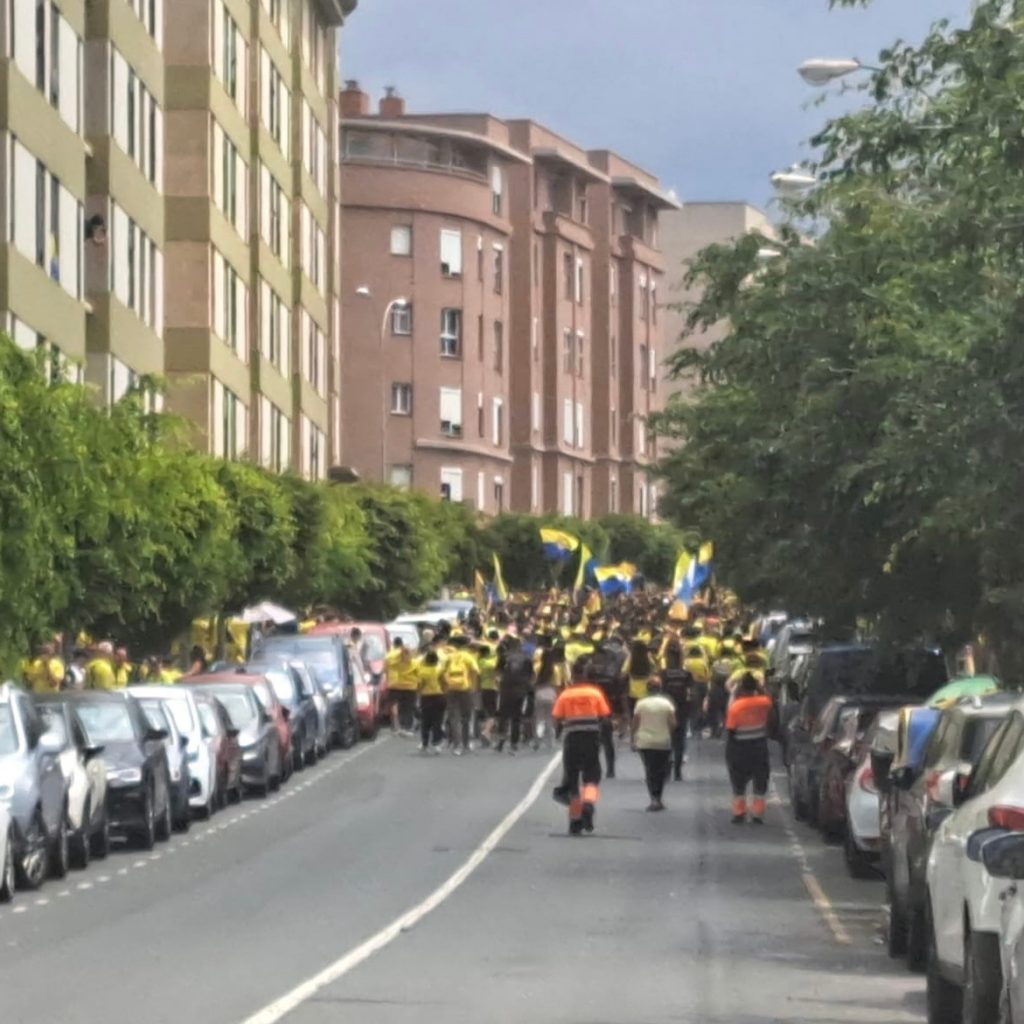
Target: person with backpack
639 669
515 683
678 685
605 672
459 674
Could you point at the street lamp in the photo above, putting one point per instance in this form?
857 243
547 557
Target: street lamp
794 181
364 292
821 71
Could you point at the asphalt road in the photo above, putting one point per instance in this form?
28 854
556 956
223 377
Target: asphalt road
289 909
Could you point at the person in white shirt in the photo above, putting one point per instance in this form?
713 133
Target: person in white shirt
654 721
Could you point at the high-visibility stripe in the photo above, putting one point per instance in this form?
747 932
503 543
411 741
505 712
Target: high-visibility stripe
751 734
582 725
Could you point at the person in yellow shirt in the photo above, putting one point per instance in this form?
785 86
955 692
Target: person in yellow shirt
45 673
752 664
123 668
99 673
169 672
430 686
487 660
638 670
577 647
403 680
460 675
696 663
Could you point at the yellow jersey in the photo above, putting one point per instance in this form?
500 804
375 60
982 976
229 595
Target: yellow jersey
488 672
402 673
45 675
460 671
428 680
698 668
99 675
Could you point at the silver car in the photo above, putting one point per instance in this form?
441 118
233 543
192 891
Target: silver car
86 776
159 716
323 711
32 787
7 879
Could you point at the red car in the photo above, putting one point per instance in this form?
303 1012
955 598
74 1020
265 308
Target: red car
369 668
266 696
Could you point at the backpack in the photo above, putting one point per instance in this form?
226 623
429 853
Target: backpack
678 685
605 667
517 672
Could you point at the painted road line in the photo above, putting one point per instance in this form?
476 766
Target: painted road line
817 894
280 1008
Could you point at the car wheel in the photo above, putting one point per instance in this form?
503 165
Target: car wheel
858 863
145 834
944 999
165 823
370 732
349 730
60 853
7 879
983 978
100 840
896 932
183 818
799 806
235 794
298 758
31 865
917 940
80 849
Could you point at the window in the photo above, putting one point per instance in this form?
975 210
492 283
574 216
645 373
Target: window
499 346
230 179
479 258
480 414
568 355
480 337
229 423
275 101
314 352
230 55
652 358
612 286
230 306
577 439
582 211
451 412
451 485
642 365
135 119
401 399
536 265
535 411
496 190
498 421
499 270
613 496
151 14
645 299
314 248
568 421
401 318
641 438
654 303
578 284
275 215
400 477
613 356
535 339
136 271
275 437
275 335
314 450
481 478
567 494
451 332
499 495
49 53
613 419
451 253
569 274
580 345
401 240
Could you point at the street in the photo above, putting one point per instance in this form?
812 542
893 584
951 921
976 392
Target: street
289 909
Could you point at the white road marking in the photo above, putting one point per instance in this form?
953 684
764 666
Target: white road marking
42 901
280 1008
19 910
82 886
818 897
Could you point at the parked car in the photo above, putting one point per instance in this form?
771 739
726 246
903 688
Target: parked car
839 669
795 640
33 789
8 880
372 652
320 702
1003 858
257 736
223 736
326 657
159 715
919 799
85 775
963 904
369 701
821 760
863 840
138 777
291 690
460 607
408 633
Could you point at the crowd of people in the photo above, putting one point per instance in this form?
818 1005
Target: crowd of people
641 669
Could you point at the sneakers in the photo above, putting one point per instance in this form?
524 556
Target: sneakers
513 751
610 774
677 775
458 751
436 750
575 828
587 818
739 819
757 821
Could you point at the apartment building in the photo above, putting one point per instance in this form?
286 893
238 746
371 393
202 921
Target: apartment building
581 326
252 325
427 360
170 206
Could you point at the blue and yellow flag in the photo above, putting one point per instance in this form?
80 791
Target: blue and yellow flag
682 564
698 574
585 573
500 590
480 589
558 545
612 580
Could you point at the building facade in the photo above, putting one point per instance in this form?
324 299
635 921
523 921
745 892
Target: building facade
574 229
426 364
171 207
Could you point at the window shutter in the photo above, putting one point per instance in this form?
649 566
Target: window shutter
579 425
67 44
567 420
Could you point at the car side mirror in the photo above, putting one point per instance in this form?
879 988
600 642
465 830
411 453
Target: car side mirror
1003 856
286 713
51 743
90 753
232 733
156 734
183 742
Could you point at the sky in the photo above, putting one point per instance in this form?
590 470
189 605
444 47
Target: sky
704 93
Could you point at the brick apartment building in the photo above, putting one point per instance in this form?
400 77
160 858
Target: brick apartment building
501 290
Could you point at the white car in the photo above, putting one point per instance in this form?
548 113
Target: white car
199 752
86 776
7 874
863 840
963 904
1003 858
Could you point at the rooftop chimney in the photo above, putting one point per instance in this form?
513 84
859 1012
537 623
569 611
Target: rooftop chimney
392 106
354 102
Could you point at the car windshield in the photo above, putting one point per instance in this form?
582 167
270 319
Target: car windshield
238 706
108 722
8 733
53 721
284 686
156 717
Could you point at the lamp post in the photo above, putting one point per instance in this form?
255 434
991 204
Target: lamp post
822 71
363 291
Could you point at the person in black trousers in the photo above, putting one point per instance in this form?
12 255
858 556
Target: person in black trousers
678 685
515 685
